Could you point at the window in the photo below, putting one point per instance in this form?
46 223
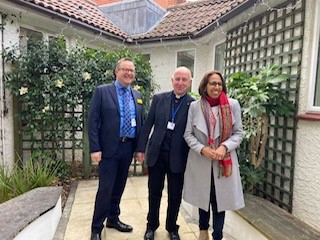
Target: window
314 89
219 57
186 59
26 34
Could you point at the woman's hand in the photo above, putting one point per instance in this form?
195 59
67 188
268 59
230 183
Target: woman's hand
208 152
214 154
220 152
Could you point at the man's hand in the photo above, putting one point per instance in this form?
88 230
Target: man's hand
140 157
96 157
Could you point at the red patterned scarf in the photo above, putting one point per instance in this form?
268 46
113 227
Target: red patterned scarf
225 117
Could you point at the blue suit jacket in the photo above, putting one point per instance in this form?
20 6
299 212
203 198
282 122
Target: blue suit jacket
158 117
104 119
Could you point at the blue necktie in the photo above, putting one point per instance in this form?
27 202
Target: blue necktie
125 94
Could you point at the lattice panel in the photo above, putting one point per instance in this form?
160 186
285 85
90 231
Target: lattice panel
274 37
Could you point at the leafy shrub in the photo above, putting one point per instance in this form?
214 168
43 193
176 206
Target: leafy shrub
52 87
260 96
32 174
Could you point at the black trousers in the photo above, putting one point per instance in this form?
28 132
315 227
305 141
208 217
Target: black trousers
156 180
218 217
113 173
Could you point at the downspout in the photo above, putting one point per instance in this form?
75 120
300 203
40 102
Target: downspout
2 91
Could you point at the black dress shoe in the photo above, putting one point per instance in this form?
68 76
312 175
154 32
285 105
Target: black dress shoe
120 226
95 236
174 236
149 235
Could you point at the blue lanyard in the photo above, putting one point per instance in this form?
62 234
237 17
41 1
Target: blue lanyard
174 112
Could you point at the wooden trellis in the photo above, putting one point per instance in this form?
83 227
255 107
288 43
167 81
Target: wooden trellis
274 37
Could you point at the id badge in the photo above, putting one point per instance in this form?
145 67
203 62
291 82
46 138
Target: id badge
133 122
170 125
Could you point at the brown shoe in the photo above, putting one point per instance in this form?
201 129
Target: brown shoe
203 235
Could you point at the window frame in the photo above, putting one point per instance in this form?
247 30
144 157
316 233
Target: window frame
315 54
194 64
194 60
214 54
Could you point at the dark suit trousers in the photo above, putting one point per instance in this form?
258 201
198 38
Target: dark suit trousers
218 217
156 184
113 173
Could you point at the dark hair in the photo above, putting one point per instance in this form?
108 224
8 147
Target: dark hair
122 60
204 81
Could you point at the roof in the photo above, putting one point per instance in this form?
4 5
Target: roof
84 11
162 3
191 19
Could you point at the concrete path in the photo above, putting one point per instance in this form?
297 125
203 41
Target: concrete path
134 208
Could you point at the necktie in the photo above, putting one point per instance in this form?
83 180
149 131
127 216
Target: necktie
125 94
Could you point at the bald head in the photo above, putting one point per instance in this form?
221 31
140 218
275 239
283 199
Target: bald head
181 80
184 70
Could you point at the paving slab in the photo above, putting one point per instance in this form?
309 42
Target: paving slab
134 209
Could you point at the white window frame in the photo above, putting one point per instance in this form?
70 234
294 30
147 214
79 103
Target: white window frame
313 66
194 63
187 50
45 34
214 53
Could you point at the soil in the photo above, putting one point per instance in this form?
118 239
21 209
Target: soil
66 187
66 183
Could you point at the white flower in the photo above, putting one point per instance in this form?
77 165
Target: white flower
59 84
86 76
23 90
107 74
136 87
45 109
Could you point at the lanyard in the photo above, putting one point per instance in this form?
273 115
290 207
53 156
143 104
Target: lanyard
174 112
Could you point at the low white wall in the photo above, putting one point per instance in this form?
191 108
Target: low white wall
44 227
235 226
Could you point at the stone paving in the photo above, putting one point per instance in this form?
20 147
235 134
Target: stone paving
134 208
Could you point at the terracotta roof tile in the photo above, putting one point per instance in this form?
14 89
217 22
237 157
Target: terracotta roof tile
83 10
185 19
188 19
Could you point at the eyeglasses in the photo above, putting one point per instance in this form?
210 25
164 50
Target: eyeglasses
127 70
214 84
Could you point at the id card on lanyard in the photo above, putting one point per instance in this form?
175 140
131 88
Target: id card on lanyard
171 123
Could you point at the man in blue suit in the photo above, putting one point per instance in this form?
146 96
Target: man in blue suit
115 119
167 151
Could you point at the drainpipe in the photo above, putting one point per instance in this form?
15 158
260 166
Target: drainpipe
3 106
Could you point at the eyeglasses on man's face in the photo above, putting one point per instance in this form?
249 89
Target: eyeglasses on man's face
127 70
214 84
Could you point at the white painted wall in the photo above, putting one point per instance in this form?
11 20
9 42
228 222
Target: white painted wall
163 59
10 38
306 195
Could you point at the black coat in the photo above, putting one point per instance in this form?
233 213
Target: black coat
158 117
